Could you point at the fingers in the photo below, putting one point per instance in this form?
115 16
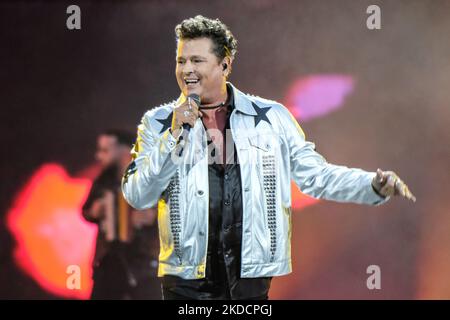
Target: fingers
192 106
192 102
410 196
402 189
191 120
389 185
380 176
188 112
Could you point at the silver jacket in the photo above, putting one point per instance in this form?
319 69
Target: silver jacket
270 154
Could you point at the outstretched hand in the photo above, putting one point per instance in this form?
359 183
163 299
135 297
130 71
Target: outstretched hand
388 183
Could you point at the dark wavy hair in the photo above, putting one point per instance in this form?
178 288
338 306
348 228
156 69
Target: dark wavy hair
225 44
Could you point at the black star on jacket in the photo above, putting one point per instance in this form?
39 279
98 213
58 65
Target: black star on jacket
261 114
166 123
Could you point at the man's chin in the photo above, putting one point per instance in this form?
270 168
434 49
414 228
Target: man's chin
189 91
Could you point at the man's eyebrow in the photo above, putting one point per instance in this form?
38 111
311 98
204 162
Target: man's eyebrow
192 57
198 57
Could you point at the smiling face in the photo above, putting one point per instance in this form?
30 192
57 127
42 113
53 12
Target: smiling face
199 70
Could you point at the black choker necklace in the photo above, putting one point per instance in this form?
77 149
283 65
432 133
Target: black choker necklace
213 107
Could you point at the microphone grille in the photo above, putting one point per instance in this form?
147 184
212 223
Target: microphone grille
196 98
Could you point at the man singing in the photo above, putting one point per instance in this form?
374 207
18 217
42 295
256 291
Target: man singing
219 163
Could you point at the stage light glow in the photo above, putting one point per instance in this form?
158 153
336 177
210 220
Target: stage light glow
317 95
50 232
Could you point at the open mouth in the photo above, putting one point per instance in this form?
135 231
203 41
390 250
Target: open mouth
191 82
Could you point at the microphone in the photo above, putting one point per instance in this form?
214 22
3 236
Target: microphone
197 100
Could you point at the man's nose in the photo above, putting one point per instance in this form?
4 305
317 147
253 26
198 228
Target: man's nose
188 68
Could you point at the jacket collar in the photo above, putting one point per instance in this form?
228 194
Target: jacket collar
241 101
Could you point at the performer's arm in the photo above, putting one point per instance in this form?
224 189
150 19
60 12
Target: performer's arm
320 179
148 175
145 217
93 208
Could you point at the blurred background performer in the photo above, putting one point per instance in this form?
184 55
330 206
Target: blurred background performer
225 226
127 245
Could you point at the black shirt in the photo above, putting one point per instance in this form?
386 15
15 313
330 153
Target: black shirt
142 251
223 263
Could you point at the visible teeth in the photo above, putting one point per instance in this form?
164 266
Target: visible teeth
191 81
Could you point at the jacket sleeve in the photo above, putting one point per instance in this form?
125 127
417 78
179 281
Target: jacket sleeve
319 179
149 174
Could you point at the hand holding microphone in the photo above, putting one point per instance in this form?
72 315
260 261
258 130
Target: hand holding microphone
185 115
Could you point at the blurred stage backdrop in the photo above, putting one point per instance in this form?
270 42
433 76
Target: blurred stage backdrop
367 98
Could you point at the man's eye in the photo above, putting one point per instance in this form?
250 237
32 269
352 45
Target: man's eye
180 62
198 61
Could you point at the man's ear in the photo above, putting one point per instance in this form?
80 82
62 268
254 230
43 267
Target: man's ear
226 66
